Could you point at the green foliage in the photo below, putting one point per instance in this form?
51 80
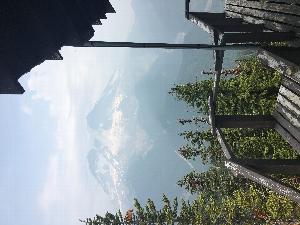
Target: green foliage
202 144
252 91
217 181
228 199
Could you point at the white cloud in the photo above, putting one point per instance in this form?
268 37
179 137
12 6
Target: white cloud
180 37
26 109
46 197
142 142
71 87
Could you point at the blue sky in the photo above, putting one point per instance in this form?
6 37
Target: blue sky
45 137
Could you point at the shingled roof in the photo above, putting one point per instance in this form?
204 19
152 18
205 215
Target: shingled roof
33 31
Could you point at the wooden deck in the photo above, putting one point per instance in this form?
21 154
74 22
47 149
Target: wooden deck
259 21
287 113
277 15
285 120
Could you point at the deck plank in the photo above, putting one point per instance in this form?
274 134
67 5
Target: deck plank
265 15
269 6
290 95
287 120
275 26
292 84
288 137
289 105
288 2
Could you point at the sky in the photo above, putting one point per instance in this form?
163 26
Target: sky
99 128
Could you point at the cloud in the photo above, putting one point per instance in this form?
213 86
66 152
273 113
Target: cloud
180 37
46 197
71 87
26 109
142 142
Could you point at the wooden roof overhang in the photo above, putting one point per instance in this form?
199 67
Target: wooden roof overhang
34 31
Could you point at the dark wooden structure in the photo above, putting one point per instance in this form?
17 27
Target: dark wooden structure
279 15
33 31
253 21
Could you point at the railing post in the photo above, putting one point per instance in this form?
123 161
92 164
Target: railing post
187 9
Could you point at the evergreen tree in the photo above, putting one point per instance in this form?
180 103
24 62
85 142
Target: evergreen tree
228 199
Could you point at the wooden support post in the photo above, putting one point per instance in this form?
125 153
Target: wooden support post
273 166
247 121
211 114
187 9
219 56
256 176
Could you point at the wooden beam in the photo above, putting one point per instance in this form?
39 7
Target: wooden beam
104 44
287 121
278 61
210 22
290 2
244 121
269 24
240 28
292 84
290 117
211 113
290 95
219 56
187 9
288 137
204 26
289 53
257 37
258 177
286 103
210 16
273 166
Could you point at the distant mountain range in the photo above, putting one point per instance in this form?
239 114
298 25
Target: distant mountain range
134 123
